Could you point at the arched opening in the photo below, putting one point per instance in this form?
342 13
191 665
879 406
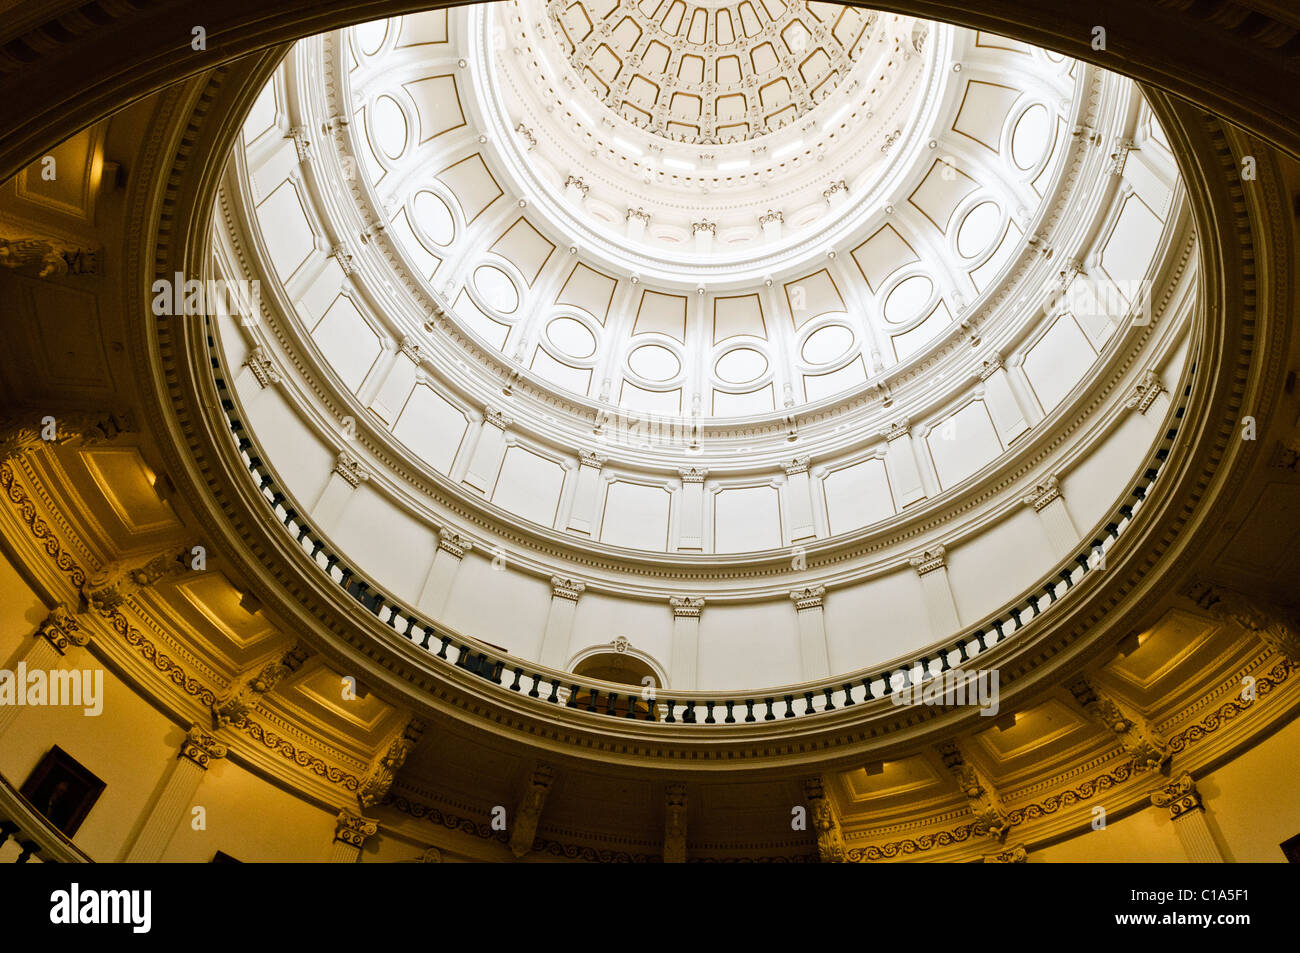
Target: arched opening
624 669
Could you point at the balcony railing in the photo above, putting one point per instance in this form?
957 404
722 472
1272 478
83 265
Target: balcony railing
550 687
26 836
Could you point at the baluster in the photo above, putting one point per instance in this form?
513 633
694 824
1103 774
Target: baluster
537 680
672 703
848 695
554 697
907 679
866 683
769 716
631 706
442 652
789 707
997 627
519 673
731 718
29 847
979 637
830 700
573 697
708 715
889 684
592 699
613 703
688 716
749 710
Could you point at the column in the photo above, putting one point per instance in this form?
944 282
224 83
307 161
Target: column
675 823
347 475
1049 504
1020 389
437 588
798 500
198 750
488 452
1188 815
1008 416
690 524
350 834
394 383
54 638
1148 393
683 672
900 462
814 655
529 813
554 652
931 565
583 511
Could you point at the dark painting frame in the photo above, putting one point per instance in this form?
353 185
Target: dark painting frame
62 790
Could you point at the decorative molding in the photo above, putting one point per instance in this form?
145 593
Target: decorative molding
384 771
263 368
705 226
590 458
450 541
1043 493
771 216
61 630
825 823
991 366
895 430
529 813
234 707
981 797
639 214
411 348
1179 796
301 144
353 830
686 607
569 589
350 469
47 257
1145 392
1278 628
497 418
202 747
797 465
693 474
808 598
1136 735
929 560
1015 854
675 823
